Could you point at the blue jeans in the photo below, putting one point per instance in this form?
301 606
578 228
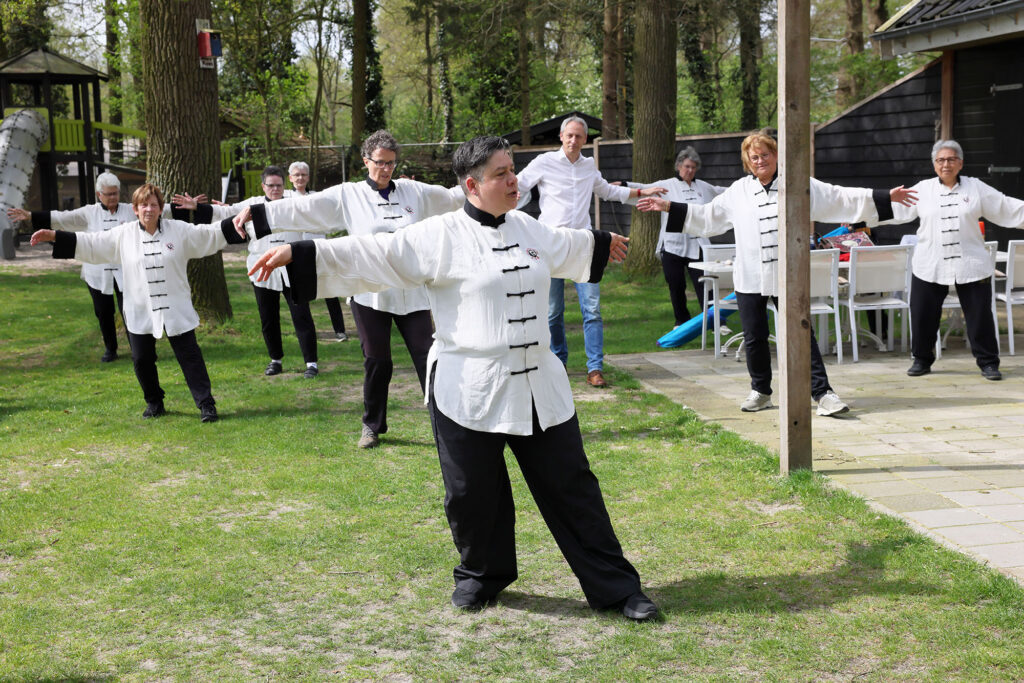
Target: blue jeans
589 294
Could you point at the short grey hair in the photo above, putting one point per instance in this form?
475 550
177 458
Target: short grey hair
471 157
947 144
297 166
107 179
574 119
381 139
688 153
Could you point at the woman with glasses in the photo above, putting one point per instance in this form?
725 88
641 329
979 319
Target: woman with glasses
750 207
378 204
951 251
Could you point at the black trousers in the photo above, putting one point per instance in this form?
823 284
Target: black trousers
676 269
754 318
190 358
337 317
103 307
926 310
417 329
268 302
481 513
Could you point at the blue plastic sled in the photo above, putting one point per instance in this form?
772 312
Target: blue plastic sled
691 328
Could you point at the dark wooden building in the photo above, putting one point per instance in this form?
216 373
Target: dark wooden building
980 93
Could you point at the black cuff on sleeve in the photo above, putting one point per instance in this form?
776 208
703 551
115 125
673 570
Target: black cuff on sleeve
227 226
41 220
676 217
180 213
882 204
64 244
602 249
302 271
260 225
204 214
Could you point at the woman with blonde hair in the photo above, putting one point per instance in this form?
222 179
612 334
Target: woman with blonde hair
750 207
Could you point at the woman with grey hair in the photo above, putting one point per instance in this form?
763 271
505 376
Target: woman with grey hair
676 249
102 279
951 251
377 204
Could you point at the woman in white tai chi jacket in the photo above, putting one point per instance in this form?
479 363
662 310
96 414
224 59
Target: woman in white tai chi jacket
378 204
153 253
951 252
750 207
102 279
493 379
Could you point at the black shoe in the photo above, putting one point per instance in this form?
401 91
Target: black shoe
273 368
311 372
208 413
918 368
154 410
468 602
991 372
108 356
639 607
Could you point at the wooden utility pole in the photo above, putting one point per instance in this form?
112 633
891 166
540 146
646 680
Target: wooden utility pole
795 228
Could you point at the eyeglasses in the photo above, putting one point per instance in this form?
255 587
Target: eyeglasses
273 186
754 158
383 164
942 161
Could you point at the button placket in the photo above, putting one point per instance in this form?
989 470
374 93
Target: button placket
516 292
156 274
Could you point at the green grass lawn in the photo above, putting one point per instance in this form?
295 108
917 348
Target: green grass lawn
267 546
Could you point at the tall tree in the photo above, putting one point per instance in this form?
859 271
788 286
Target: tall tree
706 88
878 14
181 121
367 77
748 19
654 120
24 25
611 77
848 90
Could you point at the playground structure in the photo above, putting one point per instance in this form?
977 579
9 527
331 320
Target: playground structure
46 83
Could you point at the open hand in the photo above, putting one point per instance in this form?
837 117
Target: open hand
619 247
653 204
240 219
274 258
652 191
42 236
903 195
18 214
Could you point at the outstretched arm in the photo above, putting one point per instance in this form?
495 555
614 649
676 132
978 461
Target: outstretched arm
18 214
40 236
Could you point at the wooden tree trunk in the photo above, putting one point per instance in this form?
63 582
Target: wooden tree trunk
610 72
878 14
620 68
524 71
654 77
360 12
748 15
182 127
444 83
848 90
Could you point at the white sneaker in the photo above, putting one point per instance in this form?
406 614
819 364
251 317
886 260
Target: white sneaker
756 401
830 404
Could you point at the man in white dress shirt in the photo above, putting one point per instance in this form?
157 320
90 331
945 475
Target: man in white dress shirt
567 181
493 380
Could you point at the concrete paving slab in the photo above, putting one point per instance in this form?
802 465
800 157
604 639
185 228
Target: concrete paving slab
1002 554
981 534
936 519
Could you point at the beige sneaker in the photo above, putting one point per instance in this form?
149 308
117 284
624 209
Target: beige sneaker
830 404
756 401
368 439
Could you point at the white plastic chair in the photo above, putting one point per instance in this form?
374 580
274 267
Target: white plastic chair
825 297
952 301
1013 293
716 287
879 281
